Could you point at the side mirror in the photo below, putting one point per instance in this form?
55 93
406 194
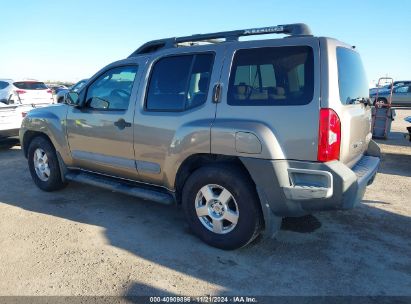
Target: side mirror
98 103
72 98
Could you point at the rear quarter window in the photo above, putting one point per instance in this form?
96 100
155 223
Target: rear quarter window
30 85
272 76
3 85
352 79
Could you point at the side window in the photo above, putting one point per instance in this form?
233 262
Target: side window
112 90
402 89
78 86
272 76
352 79
178 83
3 85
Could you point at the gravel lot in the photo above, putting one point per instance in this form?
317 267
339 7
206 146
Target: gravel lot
87 241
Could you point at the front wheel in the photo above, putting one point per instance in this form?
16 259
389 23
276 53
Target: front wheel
43 165
380 102
222 207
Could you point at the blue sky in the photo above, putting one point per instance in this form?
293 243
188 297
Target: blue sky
71 40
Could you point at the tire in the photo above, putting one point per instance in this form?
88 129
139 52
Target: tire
44 166
218 193
380 102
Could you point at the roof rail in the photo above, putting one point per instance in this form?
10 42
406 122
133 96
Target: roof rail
296 29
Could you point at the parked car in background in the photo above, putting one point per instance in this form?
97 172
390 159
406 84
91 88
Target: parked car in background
55 88
11 116
401 96
59 97
387 87
381 89
28 92
16 99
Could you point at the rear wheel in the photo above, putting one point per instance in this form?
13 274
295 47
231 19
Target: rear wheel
222 207
43 165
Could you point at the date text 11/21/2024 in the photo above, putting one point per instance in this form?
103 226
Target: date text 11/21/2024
203 299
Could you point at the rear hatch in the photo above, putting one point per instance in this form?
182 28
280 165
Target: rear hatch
33 92
354 114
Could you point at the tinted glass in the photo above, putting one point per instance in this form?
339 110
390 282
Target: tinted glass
3 85
78 86
272 76
401 89
401 83
179 83
30 85
112 90
352 79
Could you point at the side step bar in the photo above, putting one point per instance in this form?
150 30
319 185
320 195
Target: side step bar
130 188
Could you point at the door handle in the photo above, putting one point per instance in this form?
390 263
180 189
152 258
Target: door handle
216 93
121 124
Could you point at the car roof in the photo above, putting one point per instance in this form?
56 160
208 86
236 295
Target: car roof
293 30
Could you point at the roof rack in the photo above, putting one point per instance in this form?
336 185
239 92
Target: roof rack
296 29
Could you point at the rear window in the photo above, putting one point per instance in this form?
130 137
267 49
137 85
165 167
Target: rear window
272 76
30 85
352 79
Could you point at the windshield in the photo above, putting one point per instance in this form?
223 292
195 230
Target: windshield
352 79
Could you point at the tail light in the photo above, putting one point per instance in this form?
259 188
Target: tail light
329 136
19 92
49 91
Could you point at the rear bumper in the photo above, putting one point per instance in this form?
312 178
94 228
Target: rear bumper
295 188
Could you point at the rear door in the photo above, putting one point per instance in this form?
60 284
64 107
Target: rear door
175 111
347 86
33 92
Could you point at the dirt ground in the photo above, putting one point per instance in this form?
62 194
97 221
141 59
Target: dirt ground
87 241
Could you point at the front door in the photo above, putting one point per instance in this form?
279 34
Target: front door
100 134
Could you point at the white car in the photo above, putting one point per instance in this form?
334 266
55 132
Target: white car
11 117
30 92
16 99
